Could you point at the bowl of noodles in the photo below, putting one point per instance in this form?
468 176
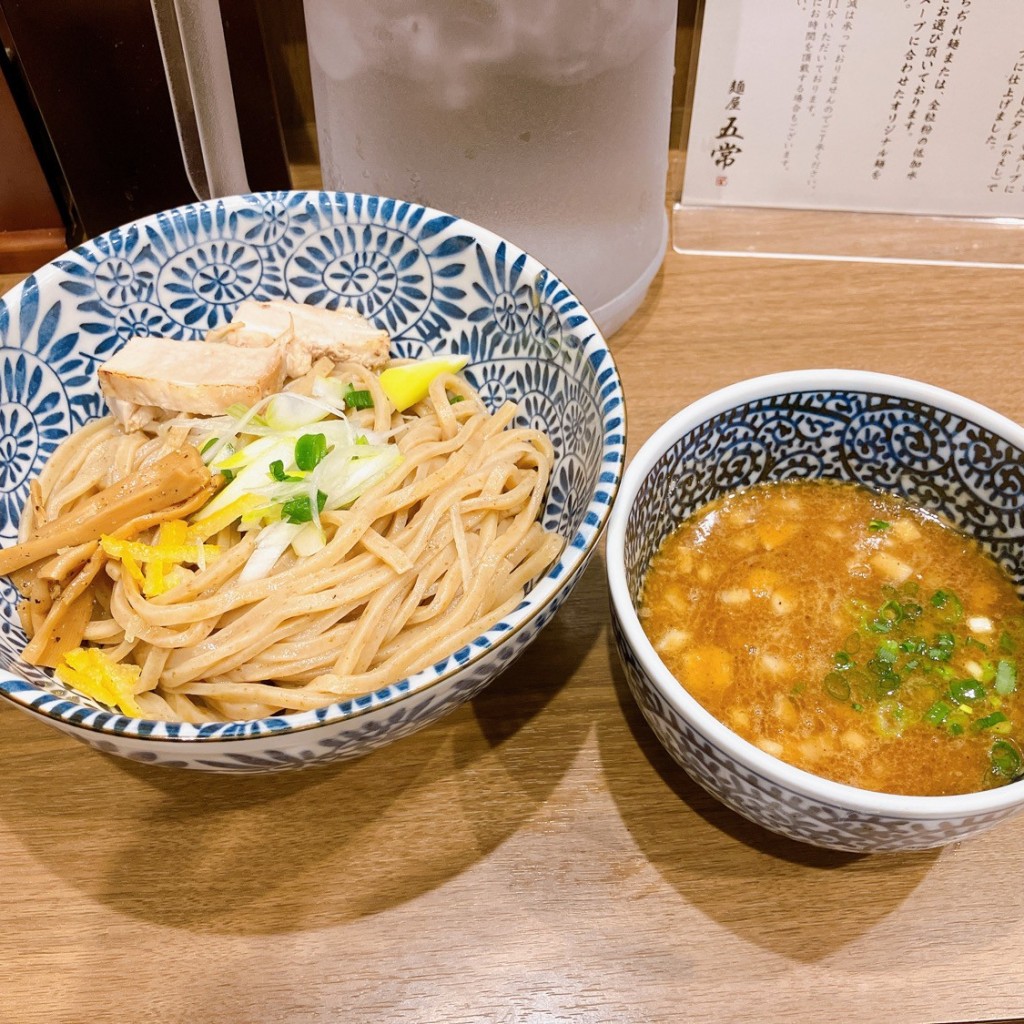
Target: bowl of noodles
290 476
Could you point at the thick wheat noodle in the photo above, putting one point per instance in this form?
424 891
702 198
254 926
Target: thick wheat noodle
362 648
389 553
407 639
238 643
424 561
296 652
62 470
380 602
326 688
326 568
418 610
127 606
152 667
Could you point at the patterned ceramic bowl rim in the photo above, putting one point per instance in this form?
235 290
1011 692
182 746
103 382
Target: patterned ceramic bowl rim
745 753
576 552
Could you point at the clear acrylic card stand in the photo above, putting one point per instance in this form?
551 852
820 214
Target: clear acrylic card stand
862 130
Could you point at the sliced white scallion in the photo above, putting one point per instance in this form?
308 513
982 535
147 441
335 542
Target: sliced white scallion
288 412
308 541
258 450
272 544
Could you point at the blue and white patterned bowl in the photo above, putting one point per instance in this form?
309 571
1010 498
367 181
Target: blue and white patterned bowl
941 451
437 284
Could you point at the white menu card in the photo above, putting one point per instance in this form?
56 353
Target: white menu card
884 106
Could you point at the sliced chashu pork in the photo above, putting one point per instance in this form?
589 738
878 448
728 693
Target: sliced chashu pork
155 375
305 333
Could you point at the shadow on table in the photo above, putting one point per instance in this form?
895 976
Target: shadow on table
258 854
796 900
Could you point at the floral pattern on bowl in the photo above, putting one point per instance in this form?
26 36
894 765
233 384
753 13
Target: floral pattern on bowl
437 284
941 451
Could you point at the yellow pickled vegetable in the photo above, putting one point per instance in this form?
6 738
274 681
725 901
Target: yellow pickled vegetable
177 543
93 673
206 524
409 383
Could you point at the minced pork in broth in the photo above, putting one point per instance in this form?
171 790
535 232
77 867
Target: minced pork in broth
846 632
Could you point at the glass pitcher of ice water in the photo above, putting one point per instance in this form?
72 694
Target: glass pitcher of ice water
546 121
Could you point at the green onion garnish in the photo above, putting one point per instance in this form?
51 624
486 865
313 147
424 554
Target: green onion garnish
837 686
277 470
889 615
1006 758
966 691
949 604
942 648
887 684
988 721
309 450
938 713
299 510
878 524
358 399
912 610
1006 677
887 652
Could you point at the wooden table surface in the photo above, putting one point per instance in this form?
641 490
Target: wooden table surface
535 857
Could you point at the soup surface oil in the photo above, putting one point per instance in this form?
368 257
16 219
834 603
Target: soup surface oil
846 632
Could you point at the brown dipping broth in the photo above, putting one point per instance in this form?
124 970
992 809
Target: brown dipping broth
846 632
